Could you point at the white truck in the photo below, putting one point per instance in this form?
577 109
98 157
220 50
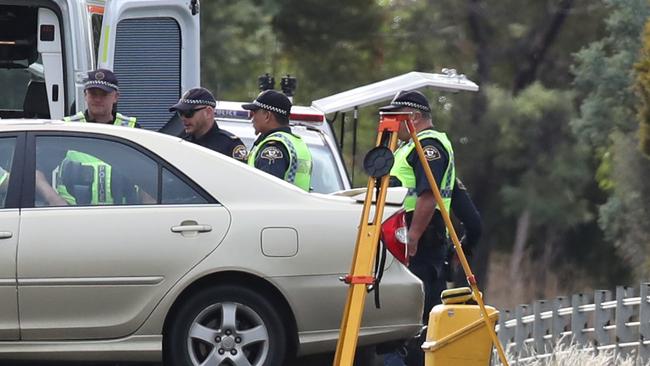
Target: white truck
47 46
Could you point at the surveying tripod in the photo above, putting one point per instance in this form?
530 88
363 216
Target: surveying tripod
377 164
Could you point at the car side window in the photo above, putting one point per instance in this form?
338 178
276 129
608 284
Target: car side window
7 147
86 171
176 191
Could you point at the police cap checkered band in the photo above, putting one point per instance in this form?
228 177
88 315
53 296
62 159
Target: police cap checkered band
269 107
192 98
199 102
271 100
101 82
412 99
414 105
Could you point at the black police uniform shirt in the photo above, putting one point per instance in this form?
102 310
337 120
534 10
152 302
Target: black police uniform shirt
221 141
273 157
463 208
88 119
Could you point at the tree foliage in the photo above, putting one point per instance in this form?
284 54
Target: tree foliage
544 146
237 45
643 88
331 46
607 125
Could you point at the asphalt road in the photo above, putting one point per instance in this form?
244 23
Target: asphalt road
315 360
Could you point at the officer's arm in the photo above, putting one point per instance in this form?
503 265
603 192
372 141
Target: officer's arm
436 158
466 212
238 150
45 190
273 158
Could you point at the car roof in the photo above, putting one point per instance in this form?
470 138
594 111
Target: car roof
29 122
306 122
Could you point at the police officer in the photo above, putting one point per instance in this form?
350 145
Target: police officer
101 92
196 109
465 211
277 151
426 245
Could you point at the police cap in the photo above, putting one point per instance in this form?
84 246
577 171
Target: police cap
193 98
272 101
412 99
103 79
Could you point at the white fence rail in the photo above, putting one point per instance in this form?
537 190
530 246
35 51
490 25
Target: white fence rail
602 323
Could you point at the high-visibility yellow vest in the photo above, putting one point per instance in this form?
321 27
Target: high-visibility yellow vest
120 119
300 161
404 172
99 173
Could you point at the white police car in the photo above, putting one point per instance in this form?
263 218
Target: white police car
329 173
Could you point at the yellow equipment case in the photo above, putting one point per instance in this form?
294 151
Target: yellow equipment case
456 332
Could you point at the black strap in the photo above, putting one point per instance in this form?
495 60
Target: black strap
380 259
380 264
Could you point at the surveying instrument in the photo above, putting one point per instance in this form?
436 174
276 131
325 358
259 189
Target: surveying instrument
378 163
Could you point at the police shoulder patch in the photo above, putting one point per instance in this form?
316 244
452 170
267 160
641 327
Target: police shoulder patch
271 153
239 152
431 153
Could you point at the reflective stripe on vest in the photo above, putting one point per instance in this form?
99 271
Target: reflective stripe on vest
300 161
404 172
120 119
100 179
101 192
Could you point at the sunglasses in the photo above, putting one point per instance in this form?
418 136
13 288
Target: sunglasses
191 112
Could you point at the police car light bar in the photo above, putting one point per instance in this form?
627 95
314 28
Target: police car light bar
302 117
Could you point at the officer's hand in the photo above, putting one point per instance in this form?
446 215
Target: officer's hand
412 248
412 239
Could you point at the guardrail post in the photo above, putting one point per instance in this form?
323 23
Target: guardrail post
578 320
644 325
559 323
623 315
540 327
506 335
602 317
522 332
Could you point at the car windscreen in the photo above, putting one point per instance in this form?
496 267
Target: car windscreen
324 176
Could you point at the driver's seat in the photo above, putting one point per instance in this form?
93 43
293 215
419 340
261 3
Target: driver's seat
35 104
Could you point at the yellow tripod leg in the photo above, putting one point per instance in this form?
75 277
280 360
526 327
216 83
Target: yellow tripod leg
459 248
364 254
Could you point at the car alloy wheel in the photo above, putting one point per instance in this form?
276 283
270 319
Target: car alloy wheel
226 325
228 331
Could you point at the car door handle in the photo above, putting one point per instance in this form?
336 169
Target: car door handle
6 234
186 228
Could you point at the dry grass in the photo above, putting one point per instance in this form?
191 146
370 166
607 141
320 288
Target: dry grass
531 283
572 355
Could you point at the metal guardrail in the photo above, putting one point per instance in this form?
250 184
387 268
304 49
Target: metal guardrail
621 325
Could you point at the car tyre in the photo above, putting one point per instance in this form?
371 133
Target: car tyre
231 325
